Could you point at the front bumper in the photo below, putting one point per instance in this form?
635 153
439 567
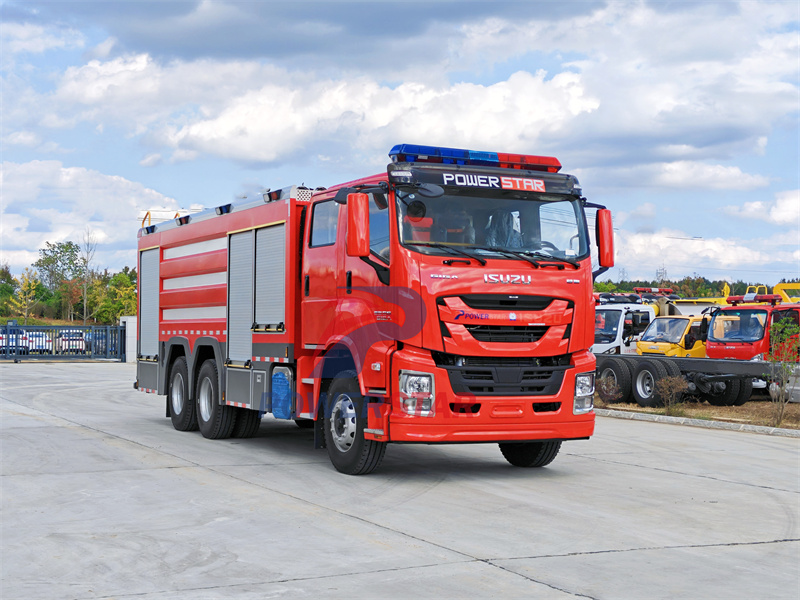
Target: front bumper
488 418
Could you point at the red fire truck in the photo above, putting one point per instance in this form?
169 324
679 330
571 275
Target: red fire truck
446 300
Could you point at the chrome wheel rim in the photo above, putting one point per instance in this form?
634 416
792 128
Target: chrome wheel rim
205 397
176 393
608 374
645 384
343 423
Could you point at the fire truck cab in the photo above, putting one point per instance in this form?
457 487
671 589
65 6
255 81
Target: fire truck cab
446 300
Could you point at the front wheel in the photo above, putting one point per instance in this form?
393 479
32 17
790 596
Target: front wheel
530 454
345 420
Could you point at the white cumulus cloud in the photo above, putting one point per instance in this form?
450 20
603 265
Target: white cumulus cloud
45 201
784 209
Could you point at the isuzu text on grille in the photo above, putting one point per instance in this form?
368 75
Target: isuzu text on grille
523 279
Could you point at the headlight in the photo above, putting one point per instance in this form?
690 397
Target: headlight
584 393
417 393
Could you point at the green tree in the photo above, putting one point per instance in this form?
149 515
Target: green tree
604 286
8 286
58 262
25 298
59 266
114 299
784 353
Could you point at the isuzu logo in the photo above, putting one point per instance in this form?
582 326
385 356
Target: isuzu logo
514 279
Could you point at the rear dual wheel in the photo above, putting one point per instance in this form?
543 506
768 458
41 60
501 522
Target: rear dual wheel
645 376
617 371
728 396
181 408
215 420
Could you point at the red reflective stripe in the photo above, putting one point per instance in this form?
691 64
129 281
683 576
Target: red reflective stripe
197 264
209 295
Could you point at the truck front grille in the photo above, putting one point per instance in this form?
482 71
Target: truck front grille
506 302
513 376
519 334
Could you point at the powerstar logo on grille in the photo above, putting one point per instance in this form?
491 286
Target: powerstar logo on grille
491 181
515 279
471 316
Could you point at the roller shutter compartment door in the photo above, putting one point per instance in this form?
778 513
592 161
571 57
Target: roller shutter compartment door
148 301
240 296
270 276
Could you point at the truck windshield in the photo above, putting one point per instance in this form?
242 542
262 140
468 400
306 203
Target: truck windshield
665 330
606 325
740 325
511 225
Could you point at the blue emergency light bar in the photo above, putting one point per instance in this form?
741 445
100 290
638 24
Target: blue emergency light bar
456 156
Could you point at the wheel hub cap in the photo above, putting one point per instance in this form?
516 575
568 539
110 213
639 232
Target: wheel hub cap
343 423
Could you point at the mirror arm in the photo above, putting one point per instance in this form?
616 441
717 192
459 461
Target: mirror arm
341 194
598 272
382 271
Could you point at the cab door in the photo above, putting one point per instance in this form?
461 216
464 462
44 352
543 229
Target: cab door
369 309
322 257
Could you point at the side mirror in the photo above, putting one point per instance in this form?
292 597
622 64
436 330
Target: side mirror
605 238
704 324
357 225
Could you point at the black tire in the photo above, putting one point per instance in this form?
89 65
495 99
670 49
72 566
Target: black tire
745 391
645 376
181 407
304 423
727 397
247 423
345 419
530 454
617 369
215 420
673 370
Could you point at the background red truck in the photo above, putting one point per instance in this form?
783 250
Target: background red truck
446 300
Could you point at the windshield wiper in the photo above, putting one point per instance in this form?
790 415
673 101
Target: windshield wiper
542 255
512 253
446 247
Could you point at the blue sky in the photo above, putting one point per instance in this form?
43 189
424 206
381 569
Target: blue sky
682 117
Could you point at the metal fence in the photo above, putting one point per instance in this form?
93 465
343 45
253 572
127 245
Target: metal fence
71 342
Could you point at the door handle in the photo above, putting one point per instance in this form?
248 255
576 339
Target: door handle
305 286
349 282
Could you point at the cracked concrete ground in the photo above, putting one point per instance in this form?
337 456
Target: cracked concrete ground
102 498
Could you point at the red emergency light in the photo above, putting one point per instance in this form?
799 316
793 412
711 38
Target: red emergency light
759 298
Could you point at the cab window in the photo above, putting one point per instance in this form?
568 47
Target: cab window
379 226
324 220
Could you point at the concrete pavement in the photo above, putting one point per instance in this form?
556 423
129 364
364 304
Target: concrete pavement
102 498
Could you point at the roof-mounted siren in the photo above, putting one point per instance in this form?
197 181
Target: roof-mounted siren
412 153
754 298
